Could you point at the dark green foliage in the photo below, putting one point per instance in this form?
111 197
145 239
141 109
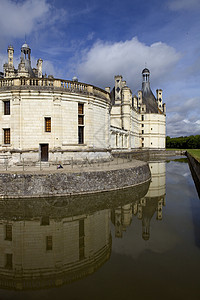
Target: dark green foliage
183 142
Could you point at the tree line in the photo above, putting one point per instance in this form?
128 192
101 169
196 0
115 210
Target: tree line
183 142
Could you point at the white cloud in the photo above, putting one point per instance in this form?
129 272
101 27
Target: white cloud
186 121
183 116
18 18
104 60
177 5
181 128
3 59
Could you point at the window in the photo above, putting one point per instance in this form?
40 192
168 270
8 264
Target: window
8 232
142 125
44 221
116 140
142 131
6 107
47 124
9 263
80 120
80 109
142 117
49 242
80 135
80 123
7 136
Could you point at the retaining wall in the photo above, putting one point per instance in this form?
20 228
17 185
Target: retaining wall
195 170
146 155
61 184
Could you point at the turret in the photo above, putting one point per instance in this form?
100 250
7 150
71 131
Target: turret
24 68
10 56
159 98
25 52
135 102
126 107
139 98
118 89
146 81
39 67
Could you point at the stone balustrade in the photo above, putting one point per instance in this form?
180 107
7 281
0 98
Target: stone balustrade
68 85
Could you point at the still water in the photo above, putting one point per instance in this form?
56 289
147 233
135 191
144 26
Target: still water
134 244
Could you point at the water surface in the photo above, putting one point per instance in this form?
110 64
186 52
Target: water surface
141 243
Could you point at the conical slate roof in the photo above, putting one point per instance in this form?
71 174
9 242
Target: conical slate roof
149 100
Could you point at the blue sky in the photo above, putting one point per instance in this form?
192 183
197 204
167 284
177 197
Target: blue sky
95 40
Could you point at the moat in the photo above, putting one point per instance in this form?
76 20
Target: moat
138 243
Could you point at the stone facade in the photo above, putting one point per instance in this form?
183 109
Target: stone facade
54 120
137 121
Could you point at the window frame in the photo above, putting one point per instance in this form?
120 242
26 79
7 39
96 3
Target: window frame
49 243
47 124
8 232
6 136
6 107
81 123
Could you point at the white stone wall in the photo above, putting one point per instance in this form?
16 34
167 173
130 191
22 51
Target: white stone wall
28 109
153 131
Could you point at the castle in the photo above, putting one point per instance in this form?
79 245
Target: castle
47 119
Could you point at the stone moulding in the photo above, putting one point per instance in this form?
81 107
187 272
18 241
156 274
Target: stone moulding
53 184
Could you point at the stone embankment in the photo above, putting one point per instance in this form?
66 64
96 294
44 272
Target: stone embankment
147 155
50 183
195 170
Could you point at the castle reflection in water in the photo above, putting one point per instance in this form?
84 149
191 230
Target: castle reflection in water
51 242
145 207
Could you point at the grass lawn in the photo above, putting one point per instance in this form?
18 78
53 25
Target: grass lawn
195 153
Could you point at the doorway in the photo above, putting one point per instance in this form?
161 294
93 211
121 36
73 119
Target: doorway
44 152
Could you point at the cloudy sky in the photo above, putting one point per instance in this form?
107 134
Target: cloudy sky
97 39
